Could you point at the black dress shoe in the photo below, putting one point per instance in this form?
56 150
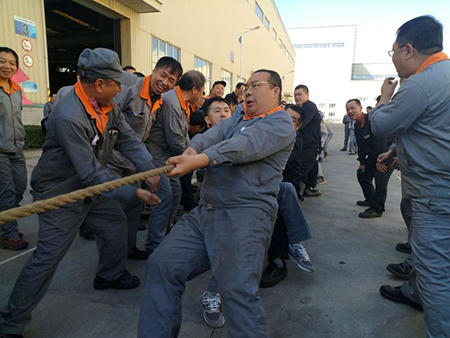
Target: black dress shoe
369 213
272 275
343 149
395 294
402 270
124 282
364 203
137 254
9 335
403 247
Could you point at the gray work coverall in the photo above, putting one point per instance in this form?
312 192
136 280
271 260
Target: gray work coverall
169 137
229 232
419 114
74 156
13 171
139 113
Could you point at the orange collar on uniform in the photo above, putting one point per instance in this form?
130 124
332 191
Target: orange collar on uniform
101 120
362 120
183 103
14 87
246 117
441 56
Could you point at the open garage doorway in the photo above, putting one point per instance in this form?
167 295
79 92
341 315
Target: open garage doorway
72 27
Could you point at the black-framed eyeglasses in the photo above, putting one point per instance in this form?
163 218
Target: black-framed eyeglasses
391 52
256 84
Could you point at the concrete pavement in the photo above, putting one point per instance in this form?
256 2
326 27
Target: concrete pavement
340 299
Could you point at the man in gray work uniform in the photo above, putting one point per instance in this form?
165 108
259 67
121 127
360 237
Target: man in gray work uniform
229 232
83 129
419 114
169 133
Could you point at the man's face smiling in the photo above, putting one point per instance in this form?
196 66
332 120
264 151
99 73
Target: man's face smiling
162 81
218 90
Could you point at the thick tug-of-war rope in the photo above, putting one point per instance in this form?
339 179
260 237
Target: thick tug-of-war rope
59 201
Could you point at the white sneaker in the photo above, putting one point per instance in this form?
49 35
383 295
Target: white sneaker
298 254
212 309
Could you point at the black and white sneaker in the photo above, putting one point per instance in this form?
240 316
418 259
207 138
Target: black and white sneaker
212 309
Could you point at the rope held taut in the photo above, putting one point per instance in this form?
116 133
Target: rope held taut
59 201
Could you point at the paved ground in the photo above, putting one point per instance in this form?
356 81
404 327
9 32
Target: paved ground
340 299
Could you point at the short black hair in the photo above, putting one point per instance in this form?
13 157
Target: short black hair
303 87
239 85
378 98
139 74
210 101
12 51
197 119
128 67
231 99
274 79
369 107
191 79
51 94
172 65
299 110
356 100
424 33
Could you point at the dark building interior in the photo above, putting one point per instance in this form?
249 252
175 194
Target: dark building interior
72 27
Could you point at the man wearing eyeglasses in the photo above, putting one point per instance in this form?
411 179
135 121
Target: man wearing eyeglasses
229 232
419 115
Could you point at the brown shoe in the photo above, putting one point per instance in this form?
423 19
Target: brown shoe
13 243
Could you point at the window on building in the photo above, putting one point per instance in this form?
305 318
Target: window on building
321 105
259 12
204 67
332 105
319 45
266 23
274 34
331 114
161 48
226 76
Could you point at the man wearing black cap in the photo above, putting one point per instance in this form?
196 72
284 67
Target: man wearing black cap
82 131
218 89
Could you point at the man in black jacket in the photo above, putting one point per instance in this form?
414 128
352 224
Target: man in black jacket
310 131
369 147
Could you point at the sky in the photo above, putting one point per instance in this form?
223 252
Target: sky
377 20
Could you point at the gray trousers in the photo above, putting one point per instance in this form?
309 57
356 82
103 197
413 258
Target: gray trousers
13 182
409 288
430 241
232 242
57 229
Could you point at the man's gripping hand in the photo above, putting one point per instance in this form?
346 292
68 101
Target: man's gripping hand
153 183
147 197
186 163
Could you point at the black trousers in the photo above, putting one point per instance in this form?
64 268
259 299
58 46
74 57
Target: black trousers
309 167
279 244
375 195
187 196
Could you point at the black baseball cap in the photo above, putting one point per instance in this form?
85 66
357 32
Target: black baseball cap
223 83
102 63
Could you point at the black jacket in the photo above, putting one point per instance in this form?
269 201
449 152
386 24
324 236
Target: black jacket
310 129
292 171
369 145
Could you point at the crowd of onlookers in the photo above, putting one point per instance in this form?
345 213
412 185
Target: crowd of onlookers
243 163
